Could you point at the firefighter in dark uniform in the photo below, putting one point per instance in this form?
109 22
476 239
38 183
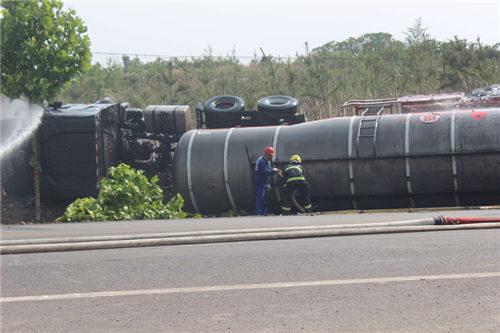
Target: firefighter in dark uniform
295 181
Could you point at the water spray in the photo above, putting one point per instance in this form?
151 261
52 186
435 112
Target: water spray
18 119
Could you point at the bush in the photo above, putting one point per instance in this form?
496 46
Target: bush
126 194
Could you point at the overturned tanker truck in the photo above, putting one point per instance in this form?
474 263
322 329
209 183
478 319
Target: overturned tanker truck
359 162
79 142
448 158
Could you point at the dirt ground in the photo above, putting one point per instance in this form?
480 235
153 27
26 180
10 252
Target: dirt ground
16 210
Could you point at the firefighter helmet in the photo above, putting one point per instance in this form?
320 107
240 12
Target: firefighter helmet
296 158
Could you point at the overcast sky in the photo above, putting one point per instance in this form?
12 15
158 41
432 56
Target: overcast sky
188 28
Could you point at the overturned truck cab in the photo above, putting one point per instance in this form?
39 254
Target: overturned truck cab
438 159
79 142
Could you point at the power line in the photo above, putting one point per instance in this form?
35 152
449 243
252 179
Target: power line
256 57
185 56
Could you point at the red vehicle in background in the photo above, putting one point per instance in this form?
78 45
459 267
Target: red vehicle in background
428 103
482 98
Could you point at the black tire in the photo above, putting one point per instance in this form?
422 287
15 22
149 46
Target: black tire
278 104
223 111
224 104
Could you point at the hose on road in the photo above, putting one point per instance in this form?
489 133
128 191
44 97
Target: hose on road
91 243
446 220
440 220
427 221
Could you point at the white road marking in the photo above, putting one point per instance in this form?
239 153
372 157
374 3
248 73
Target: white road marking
145 292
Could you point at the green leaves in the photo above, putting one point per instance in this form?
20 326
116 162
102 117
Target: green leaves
42 48
84 209
469 65
126 194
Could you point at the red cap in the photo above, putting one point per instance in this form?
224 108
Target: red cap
269 151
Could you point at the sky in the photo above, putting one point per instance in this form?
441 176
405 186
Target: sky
280 28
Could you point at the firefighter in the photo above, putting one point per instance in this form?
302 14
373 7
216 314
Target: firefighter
295 181
263 170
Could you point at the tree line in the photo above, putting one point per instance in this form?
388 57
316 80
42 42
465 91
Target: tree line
374 65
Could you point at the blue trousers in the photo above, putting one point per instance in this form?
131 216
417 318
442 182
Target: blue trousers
260 199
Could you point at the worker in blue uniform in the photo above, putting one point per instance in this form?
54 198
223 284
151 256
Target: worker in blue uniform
262 171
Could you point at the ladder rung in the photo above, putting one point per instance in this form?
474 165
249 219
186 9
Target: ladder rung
373 111
366 136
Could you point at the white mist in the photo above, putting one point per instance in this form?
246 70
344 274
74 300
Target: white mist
18 120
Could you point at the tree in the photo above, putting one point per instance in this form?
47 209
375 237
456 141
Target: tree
319 83
373 65
417 33
468 65
421 61
43 46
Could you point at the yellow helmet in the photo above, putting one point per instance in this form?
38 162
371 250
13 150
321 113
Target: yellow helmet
296 158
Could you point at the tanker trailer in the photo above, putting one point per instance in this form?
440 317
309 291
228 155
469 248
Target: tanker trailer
374 161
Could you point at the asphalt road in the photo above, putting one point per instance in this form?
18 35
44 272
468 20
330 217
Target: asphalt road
417 282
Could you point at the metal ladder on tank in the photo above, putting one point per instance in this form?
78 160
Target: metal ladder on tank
368 125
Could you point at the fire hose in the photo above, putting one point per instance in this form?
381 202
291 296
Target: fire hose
440 223
446 220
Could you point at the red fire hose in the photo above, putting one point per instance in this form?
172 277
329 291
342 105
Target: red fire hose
464 220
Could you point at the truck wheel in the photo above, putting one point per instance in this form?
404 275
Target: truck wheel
280 104
224 104
223 111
